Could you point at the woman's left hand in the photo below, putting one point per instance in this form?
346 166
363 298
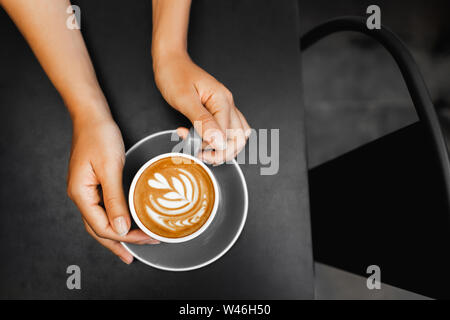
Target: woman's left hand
206 102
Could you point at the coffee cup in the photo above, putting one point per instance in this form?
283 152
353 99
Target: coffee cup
174 197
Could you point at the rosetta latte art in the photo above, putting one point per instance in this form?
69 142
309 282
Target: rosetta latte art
173 199
173 210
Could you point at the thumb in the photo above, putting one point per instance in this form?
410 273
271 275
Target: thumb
114 198
205 125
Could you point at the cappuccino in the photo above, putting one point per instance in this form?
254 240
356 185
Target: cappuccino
174 196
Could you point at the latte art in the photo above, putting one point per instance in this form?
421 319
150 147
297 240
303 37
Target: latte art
174 199
173 209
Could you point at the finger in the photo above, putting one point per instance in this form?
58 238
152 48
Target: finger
236 142
220 105
237 135
204 123
183 134
97 219
247 128
205 155
216 157
112 245
210 157
83 191
87 202
110 177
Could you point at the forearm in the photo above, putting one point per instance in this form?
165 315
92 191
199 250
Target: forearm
170 25
62 54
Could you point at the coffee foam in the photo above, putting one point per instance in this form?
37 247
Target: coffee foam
173 198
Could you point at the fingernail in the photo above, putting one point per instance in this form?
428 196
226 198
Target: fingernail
205 160
248 132
121 226
151 241
148 241
127 260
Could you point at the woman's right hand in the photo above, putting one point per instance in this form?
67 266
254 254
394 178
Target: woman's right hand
95 185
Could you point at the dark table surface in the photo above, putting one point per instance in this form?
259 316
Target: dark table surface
250 46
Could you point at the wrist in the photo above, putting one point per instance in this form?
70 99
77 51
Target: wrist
90 113
164 54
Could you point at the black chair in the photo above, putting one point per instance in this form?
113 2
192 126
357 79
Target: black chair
388 202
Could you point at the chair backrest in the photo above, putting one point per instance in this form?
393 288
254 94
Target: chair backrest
387 203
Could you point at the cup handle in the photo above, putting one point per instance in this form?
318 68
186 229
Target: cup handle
193 143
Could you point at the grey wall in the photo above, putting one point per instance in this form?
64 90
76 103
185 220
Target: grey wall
354 93
353 90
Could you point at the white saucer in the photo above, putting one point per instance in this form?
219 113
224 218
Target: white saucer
220 235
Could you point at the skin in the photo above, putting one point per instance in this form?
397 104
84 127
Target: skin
206 102
97 155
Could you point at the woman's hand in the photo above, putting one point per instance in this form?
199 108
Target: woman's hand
206 102
95 178
97 157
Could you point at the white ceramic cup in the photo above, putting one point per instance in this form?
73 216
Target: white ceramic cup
192 235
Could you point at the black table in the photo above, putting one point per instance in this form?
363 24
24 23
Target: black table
252 47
